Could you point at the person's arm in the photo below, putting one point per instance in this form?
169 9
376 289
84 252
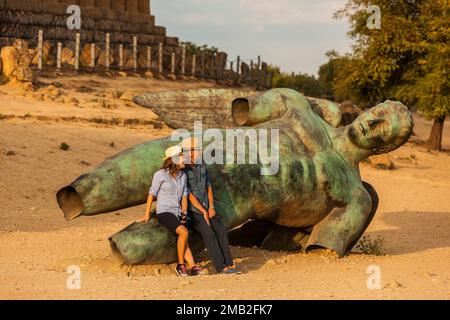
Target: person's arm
193 199
184 201
211 210
184 205
153 193
148 209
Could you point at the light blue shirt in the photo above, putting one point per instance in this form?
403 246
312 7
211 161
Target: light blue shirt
168 191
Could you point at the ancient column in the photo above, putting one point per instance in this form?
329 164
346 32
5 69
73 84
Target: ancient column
131 6
118 5
144 6
87 3
103 4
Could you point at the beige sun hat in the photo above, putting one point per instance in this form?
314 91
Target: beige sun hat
173 151
191 144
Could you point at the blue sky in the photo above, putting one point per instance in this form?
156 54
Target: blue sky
293 34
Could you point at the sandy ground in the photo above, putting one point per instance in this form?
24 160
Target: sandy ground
37 245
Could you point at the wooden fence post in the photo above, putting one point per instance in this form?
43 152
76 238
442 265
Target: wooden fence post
58 56
121 56
160 60
231 70
108 51
238 70
135 64
194 62
265 75
183 60
203 64
149 58
92 55
77 52
172 63
213 66
40 44
258 79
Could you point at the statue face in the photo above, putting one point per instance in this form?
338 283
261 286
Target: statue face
382 128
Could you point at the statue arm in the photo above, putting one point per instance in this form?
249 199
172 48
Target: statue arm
327 110
340 228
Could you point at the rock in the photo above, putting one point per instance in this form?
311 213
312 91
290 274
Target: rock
67 56
16 62
172 77
122 74
102 59
382 161
113 95
10 153
48 98
148 74
25 86
127 96
69 100
10 60
24 74
105 104
52 91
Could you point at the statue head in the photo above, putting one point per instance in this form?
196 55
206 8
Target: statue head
383 128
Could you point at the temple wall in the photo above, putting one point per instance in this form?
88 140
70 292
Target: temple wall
123 19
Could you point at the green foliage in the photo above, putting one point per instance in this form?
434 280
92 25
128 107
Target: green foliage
192 48
304 83
64 146
371 246
408 59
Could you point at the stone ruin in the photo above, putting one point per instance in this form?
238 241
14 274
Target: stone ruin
122 19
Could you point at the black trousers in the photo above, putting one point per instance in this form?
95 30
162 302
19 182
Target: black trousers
215 239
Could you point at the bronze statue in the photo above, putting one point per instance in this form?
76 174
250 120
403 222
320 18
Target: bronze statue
315 199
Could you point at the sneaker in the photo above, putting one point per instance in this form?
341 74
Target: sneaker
181 270
230 271
196 271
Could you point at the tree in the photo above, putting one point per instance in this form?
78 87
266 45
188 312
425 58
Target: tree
408 59
305 83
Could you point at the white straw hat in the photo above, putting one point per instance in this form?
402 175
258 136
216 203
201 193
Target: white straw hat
173 151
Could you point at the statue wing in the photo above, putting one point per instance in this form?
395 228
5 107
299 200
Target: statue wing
226 108
180 108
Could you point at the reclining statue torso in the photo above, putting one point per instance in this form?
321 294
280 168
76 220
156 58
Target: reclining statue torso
317 188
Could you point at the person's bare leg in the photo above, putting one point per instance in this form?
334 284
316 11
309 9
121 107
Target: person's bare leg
183 235
189 257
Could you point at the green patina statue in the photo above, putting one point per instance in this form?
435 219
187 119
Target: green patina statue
315 198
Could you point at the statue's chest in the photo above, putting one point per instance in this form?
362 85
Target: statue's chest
335 177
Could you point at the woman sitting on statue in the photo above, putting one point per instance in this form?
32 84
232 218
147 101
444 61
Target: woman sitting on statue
169 186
